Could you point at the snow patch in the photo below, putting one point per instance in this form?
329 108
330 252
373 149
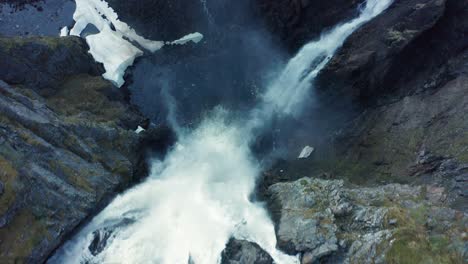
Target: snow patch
194 37
110 47
113 46
115 53
64 32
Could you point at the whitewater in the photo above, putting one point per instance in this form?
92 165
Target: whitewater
198 197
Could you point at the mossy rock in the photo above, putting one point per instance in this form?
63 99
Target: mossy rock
21 241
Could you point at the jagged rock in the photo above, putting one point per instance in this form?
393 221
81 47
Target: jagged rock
102 236
366 250
371 59
371 229
244 252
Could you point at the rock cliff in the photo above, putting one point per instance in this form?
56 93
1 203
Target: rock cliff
67 143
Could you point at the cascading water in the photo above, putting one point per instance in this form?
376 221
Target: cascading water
198 197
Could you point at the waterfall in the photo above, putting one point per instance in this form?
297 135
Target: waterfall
198 196
207 11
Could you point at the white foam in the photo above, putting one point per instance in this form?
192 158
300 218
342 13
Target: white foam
192 204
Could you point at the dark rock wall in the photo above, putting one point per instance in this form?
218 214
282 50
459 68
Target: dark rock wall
405 75
297 22
67 144
401 50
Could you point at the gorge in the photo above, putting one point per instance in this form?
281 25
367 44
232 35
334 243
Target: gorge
213 176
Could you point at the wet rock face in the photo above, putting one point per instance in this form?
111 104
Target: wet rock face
299 21
244 252
405 73
327 222
390 53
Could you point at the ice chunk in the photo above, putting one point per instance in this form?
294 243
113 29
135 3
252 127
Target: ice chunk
64 32
306 152
139 130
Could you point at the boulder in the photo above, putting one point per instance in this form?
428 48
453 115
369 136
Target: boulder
244 252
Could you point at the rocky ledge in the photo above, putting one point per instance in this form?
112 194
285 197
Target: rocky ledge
67 143
327 222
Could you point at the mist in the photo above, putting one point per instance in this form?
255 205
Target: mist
198 196
230 67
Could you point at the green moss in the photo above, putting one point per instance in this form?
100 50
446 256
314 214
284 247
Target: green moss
412 246
419 214
21 236
459 148
82 98
412 242
8 176
75 178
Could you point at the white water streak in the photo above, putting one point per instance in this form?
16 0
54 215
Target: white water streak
198 197
290 90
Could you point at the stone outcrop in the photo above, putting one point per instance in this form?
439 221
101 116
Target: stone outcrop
244 252
328 222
